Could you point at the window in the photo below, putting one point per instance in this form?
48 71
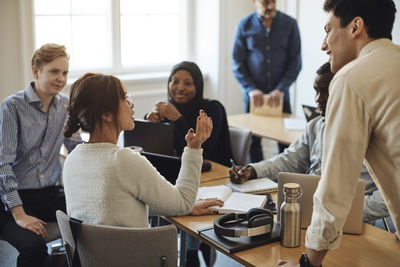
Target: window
150 32
114 35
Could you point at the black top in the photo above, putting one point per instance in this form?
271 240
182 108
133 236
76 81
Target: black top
216 148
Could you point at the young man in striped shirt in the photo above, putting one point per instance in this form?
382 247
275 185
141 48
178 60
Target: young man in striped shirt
31 124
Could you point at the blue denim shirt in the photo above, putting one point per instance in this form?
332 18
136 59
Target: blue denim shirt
30 142
267 60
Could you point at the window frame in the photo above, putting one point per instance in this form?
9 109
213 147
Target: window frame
142 73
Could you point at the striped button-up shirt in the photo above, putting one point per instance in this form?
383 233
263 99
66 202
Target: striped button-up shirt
30 142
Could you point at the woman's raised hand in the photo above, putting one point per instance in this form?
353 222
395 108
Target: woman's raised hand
203 131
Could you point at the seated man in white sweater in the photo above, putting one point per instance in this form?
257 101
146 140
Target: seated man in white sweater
106 184
304 155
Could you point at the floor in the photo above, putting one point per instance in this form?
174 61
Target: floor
8 255
222 261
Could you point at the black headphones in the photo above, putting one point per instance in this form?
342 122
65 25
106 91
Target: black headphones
259 221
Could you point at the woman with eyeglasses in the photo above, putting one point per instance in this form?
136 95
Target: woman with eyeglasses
110 185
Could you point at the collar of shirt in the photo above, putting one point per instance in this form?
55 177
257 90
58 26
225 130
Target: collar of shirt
374 45
32 97
276 18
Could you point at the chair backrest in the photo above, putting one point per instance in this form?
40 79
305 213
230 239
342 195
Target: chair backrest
240 142
53 231
100 245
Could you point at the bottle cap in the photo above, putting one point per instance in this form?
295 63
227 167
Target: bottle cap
291 188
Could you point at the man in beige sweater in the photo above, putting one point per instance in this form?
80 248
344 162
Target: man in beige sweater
362 118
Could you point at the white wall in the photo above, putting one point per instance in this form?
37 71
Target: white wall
311 21
216 23
214 40
211 43
10 49
396 27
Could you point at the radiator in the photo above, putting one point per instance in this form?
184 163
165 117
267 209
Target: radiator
144 101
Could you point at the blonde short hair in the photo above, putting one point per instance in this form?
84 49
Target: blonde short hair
47 53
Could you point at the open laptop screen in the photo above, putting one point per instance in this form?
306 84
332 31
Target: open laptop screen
154 137
310 112
167 166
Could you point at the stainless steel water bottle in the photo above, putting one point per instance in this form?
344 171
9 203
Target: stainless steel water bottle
290 215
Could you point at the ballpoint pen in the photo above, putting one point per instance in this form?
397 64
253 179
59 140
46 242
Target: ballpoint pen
235 171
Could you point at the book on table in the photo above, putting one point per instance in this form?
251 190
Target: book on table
255 186
233 201
235 244
267 110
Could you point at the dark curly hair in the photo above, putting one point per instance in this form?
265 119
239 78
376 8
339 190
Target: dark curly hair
325 68
91 96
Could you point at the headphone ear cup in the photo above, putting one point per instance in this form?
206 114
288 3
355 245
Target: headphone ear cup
258 220
257 217
252 212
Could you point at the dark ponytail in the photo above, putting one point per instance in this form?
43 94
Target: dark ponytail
72 126
91 96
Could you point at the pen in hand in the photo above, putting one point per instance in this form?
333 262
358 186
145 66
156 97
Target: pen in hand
234 168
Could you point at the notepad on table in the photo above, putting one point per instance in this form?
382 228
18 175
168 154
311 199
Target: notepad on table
255 186
265 109
233 201
294 124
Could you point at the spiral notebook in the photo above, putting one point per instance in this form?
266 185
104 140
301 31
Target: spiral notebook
255 186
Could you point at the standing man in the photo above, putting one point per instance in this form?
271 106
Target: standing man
31 125
362 118
266 59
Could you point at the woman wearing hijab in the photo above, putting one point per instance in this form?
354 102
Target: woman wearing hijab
185 99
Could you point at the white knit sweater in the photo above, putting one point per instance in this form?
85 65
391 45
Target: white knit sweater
106 184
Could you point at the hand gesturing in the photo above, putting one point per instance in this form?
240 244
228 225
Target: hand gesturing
204 127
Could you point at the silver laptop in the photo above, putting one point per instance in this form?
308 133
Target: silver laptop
308 183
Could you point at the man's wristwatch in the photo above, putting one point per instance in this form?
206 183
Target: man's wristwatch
305 262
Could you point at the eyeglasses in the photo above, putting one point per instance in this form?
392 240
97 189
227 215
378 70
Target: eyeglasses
129 98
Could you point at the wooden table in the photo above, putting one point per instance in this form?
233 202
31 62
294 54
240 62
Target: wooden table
270 127
218 171
374 247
